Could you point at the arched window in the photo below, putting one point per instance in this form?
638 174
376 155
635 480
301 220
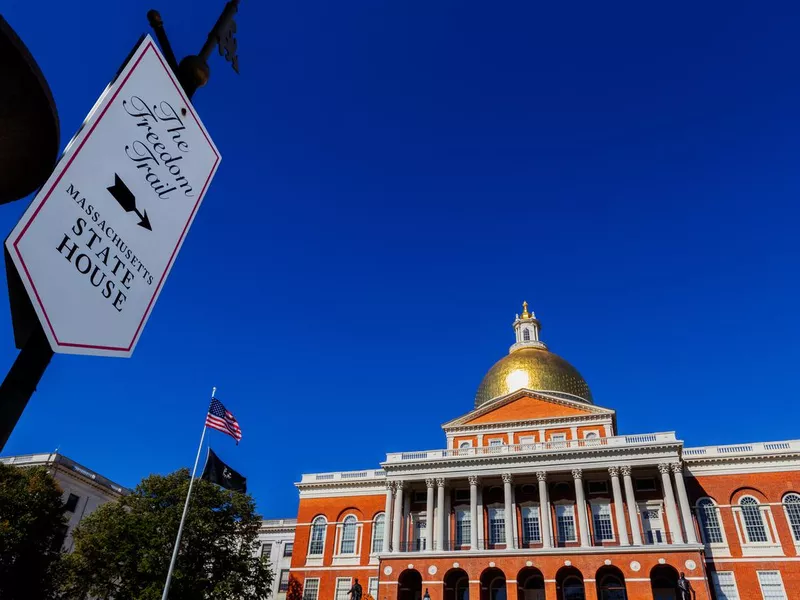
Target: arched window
378 529
317 544
791 503
526 335
348 543
709 521
465 445
753 521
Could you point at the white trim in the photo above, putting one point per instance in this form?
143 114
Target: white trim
780 578
336 586
305 581
712 548
771 559
331 568
602 502
715 585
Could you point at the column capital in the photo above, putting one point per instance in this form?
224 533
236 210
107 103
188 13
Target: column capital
677 467
440 481
473 479
663 468
613 471
577 473
541 475
507 478
430 482
625 470
390 487
399 484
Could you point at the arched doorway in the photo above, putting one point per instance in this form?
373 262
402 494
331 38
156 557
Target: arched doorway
610 584
456 585
530 584
664 582
493 585
409 585
569 584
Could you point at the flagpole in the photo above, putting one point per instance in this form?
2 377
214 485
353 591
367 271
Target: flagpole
185 510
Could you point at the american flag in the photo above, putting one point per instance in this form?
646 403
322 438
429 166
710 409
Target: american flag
221 419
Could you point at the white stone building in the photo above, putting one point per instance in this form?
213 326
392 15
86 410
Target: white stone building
84 490
276 537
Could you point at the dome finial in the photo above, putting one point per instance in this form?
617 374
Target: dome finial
525 313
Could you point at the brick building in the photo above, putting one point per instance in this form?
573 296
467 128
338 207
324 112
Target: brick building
537 496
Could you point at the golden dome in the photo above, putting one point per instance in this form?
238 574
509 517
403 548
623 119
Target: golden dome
534 369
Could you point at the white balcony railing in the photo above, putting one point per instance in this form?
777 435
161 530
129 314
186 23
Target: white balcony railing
743 449
615 441
343 476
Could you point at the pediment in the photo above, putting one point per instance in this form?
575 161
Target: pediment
527 405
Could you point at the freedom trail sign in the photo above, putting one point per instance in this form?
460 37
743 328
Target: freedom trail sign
97 243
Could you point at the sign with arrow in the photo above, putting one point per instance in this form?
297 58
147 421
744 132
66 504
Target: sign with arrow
97 243
127 200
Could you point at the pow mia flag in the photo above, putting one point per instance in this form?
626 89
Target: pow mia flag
218 472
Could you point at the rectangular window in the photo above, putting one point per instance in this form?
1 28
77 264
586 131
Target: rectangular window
288 548
283 582
342 587
645 484
565 519
372 590
526 439
558 437
463 527
420 497
462 495
497 526
266 551
419 533
709 522
311 589
597 487
72 503
603 529
724 585
531 531
496 442
378 532
771 585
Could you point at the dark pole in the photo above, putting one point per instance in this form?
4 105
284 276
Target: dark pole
21 381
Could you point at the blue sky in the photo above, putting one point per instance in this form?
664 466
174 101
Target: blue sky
397 177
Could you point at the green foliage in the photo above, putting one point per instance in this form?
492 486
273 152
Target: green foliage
122 550
32 527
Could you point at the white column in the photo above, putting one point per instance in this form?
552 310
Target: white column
387 516
580 506
508 509
630 500
669 501
544 510
683 502
429 483
397 525
619 510
473 512
481 517
440 516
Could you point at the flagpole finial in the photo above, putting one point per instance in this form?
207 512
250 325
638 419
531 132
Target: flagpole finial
213 392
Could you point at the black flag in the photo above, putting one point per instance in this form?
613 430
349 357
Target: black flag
218 472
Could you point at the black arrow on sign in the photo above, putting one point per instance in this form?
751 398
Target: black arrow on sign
127 201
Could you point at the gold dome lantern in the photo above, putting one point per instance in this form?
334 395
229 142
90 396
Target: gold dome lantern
529 365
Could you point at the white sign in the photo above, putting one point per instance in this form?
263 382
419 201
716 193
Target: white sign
97 243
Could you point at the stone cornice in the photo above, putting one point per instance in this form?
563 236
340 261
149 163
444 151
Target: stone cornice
503 400
503 426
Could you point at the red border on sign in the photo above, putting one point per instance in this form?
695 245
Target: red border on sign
150 46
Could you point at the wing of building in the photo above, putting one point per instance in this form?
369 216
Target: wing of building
83 489
536 495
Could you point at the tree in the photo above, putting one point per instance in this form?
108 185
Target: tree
122 550
32 528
